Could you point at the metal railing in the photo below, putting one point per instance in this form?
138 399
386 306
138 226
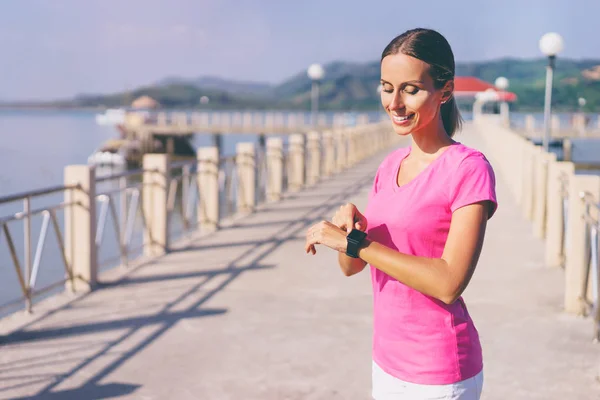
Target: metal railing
28 271
127 196
592 262
228 186
183 198
120 216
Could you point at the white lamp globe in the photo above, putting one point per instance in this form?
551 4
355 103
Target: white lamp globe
582 102
551 44
315 72
204 100
501 83
379 88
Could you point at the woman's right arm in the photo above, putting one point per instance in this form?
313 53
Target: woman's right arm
350 265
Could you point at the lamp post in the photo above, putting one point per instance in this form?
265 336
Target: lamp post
550 44
315 73
502 84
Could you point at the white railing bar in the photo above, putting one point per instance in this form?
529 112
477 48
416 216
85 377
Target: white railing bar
39 249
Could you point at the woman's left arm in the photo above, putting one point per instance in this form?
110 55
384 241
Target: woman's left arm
443 278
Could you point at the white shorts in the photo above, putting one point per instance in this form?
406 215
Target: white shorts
388 387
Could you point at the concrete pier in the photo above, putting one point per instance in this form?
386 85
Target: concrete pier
243 313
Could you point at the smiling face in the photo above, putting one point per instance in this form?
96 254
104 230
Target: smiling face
408 93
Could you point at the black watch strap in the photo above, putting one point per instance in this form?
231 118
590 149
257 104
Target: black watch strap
354 239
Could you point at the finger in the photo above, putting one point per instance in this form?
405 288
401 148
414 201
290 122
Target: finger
349 224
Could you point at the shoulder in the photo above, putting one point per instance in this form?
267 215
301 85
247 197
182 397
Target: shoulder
467 159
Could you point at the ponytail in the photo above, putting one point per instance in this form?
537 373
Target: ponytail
451 117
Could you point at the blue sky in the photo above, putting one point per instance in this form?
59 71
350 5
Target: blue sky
57 48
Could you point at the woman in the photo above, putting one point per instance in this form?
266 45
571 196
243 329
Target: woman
425 222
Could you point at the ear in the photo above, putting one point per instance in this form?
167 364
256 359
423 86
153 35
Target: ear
447 91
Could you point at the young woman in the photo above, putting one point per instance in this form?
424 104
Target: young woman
425 223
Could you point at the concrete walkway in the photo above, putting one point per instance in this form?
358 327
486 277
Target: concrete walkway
245 314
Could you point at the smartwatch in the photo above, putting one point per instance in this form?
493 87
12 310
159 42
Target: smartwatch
354 239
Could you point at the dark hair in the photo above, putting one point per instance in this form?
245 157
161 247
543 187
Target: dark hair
431 47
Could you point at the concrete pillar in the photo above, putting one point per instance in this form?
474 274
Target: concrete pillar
208 187
528 180
567 149
529 123
296 162
329 153
341 150
274 169
313 146
322 120
554 210
246 173
237 119
292 122
247 120
279 121
554 125
575 261
269 121
80 226
504 114
541 161
362 119
155 195
351 146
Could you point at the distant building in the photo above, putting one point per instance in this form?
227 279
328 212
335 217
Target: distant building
145 103
467 87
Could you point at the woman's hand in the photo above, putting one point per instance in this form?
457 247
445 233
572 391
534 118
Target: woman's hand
327 234
348 217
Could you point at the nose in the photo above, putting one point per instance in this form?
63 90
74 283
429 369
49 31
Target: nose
396 101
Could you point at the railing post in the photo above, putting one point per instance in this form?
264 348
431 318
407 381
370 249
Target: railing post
296 162
274 169
554 211
351 146
341 152
530 123
208 187
542 160
80 226
555 124
155 196
314 148
576 238
329 153
246 172
528 179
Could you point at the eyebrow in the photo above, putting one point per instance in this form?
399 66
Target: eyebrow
403 83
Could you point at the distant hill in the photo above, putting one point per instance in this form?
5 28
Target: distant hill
352 86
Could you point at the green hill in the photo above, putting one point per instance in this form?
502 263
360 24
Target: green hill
352 86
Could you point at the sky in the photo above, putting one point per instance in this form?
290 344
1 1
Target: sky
58 48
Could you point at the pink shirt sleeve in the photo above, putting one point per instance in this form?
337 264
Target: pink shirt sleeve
475 182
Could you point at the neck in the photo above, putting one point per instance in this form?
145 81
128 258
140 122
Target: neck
430 139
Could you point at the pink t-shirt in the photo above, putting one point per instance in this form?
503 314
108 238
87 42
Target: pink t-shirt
418 338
